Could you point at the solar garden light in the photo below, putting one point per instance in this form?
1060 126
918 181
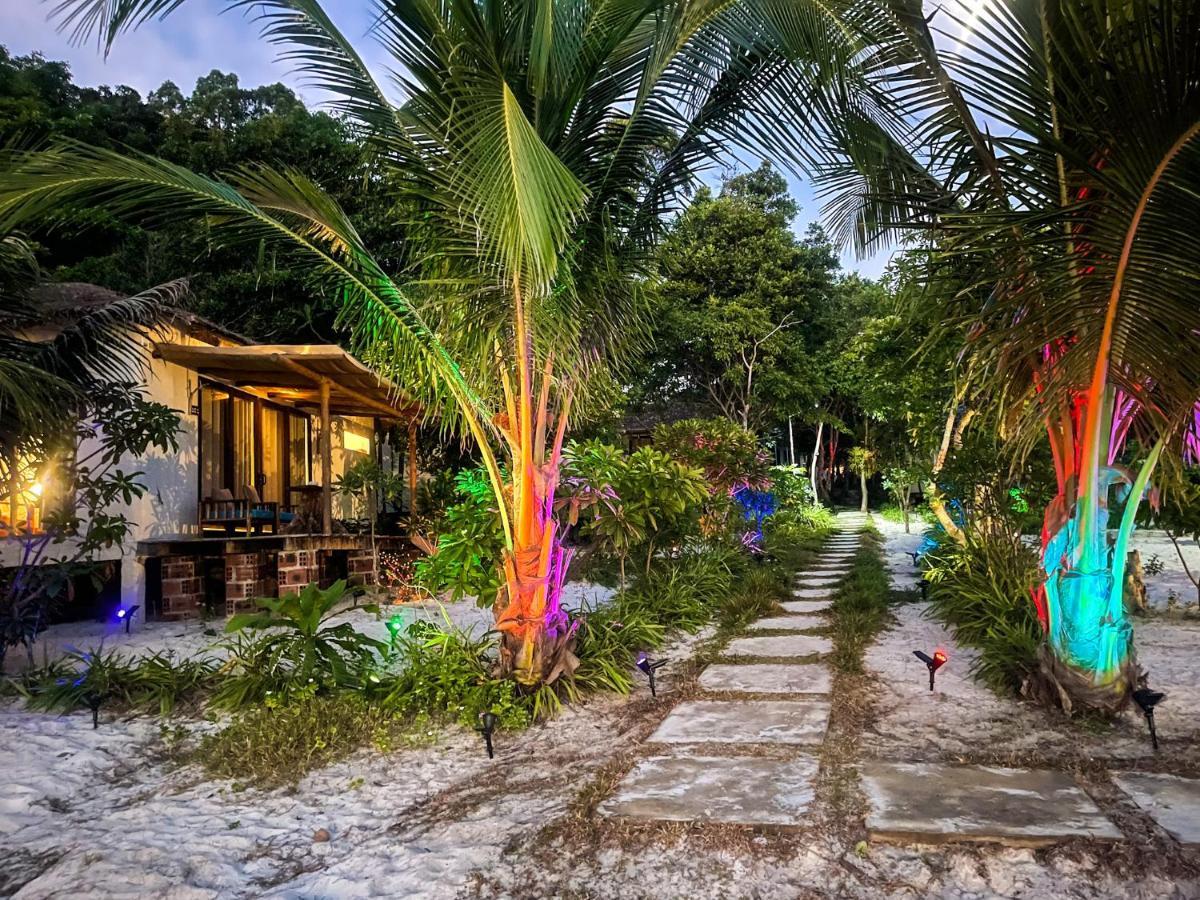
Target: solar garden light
94 699
125 614
1146 700
933 663
649 667
924 589
487 727
395 627
916 557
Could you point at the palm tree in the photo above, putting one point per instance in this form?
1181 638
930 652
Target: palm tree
535 149
1053 159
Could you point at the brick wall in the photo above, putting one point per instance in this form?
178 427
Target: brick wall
296 568
360 566
247 577
182 588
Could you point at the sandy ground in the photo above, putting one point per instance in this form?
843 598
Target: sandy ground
111 813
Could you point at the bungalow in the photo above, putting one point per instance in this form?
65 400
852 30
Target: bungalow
247 507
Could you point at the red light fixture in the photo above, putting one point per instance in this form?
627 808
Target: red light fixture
932 663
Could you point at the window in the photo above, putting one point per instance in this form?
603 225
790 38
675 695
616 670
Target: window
248 442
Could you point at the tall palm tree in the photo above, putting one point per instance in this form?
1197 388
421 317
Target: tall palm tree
1053 157
534 149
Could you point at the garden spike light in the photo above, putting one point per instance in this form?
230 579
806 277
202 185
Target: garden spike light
1146 700
933 663
649 667
487 727
125 614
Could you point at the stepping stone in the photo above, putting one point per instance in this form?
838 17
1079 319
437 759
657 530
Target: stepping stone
812 593
783 623
779 646
1171 801
766 678
744 722
1019 807
816 580
743 790
806 607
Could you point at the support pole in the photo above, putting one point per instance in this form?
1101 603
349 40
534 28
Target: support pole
326 461
412 475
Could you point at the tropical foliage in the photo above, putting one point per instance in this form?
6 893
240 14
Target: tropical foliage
1054 223
535 148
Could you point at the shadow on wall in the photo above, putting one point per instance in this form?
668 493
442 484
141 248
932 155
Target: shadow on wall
170 500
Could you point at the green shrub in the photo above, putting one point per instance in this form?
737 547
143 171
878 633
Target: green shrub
469 546
682 593
275 746
792 535
608 642
639 503
982 592
447 674
791 486
302 654
156 682
753 596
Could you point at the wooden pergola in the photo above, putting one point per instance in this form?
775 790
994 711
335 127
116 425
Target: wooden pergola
322 378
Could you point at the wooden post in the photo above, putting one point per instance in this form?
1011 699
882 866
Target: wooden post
326 461
412 474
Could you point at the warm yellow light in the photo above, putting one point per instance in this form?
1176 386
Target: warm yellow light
356 443
36 488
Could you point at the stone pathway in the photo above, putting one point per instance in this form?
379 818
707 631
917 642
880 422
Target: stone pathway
764 765
742 786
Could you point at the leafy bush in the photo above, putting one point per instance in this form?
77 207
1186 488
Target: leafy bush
791 487
608 642
729 454
641 502
792 535
448 674
683 593
276 746
982 591
466 559
156 682
302 656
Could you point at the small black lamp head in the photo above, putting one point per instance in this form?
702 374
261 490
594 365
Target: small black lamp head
94 700
1146 700
932 663
125 614
487 727
648 668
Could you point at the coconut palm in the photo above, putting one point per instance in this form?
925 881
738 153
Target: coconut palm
534 149
1053 161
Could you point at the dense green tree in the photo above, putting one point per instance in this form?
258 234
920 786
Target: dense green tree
221 125
742 304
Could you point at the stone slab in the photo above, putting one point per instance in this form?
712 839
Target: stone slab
806 607
1018 807
783 623
767 678
812 593
1171 801
744 722
744 790
814 581
779 646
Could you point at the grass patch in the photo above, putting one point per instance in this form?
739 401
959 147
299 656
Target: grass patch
272 747
860 607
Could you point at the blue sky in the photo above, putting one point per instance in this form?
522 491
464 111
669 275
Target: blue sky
195 40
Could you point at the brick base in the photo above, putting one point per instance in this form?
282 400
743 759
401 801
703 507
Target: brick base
182 589
248 576
297 568
361 568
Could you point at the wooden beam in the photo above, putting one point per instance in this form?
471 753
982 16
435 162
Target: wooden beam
383 409
326 461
